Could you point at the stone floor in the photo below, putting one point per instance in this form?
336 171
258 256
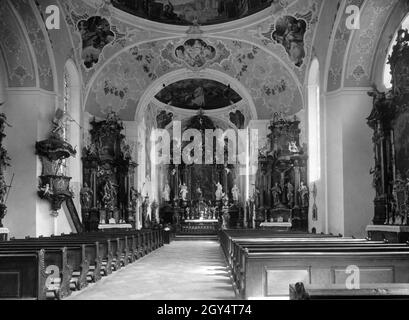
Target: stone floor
183 270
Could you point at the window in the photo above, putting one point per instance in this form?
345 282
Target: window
387 76
314 137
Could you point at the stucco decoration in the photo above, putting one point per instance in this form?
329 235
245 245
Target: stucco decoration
341 39
37 39
19 64
123 81
363 48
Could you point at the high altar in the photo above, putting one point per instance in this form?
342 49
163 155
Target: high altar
194 196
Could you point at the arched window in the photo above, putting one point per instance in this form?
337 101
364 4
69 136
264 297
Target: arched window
314 124
387 76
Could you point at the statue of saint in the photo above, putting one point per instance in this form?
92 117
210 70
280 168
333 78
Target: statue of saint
219 191
183 192
276 194
199 193
135 196
304 195
290 193
166 193
86 197
235 193
108 198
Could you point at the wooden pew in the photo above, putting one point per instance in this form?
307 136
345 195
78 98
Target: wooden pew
48 260
268 274
22 275
400 291
83 258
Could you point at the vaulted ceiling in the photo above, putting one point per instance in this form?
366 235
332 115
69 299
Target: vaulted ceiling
121 56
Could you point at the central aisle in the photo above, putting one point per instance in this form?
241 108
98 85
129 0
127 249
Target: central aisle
183 270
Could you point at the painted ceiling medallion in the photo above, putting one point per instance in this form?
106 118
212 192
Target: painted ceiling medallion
195 53
289 32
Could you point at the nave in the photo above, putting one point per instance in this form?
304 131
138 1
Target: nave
201 275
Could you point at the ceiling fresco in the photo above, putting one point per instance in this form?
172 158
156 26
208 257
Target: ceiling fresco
187 12
198 93
123 81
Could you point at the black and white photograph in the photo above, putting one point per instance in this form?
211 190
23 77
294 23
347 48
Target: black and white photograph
217 152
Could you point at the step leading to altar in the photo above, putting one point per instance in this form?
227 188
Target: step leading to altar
391 233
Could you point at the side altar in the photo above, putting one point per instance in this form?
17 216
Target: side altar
281 195
389 122
107 194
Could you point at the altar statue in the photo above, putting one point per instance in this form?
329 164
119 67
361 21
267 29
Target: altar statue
290 193
199 193
183 192
236 193
166 193
219 191
304 195
276 193
86 195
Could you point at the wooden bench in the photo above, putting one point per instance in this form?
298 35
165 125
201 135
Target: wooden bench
400 291
80 258
265 267
22 275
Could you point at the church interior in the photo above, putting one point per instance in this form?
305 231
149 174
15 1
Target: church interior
239 149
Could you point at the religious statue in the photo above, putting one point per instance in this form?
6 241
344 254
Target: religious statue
166 193
276 193
135 196
219 191
235 193
290 193
109 195
86 195
199 193
3 190
304 195
183 192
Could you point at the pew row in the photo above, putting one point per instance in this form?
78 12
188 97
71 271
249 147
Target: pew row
71 262
265 267
387 291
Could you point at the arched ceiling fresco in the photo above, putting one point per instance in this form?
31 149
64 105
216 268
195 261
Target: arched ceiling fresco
198 93
354 52
187 12
19 63
341 39
363 47
38 42
269 57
